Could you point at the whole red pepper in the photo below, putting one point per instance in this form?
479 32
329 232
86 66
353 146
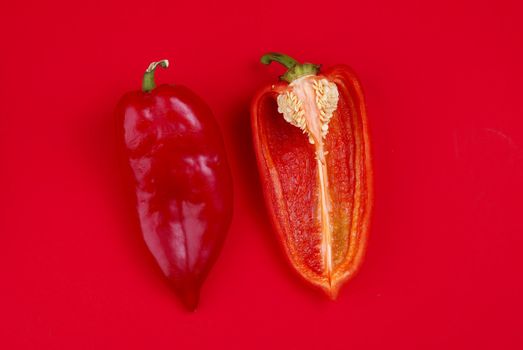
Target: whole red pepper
313 150
182 177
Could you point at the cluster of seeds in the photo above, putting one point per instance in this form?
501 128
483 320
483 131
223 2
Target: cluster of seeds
327 100
292 109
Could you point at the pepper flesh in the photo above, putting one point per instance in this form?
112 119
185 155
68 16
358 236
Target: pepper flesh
317 188
182 181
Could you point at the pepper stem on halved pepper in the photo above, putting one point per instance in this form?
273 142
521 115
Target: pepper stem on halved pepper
295 69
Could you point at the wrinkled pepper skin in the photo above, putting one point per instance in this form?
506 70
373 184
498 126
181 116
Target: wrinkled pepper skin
182 181
323 235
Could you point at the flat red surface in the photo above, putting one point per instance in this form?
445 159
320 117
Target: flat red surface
444 266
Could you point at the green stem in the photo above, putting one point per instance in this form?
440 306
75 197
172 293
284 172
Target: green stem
295 69
285 60
148 83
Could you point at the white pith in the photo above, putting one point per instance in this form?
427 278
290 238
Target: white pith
309 103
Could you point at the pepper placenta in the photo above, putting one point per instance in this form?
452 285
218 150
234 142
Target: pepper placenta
182 179
312 146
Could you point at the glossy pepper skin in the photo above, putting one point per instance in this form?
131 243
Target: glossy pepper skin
182 180
313 150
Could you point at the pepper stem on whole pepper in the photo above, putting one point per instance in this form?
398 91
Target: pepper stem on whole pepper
295 69
148 83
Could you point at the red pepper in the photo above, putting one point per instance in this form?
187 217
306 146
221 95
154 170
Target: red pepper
182 177
312 145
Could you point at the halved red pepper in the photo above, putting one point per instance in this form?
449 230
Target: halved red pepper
313 151
182 179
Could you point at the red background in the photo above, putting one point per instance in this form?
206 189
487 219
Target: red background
443 81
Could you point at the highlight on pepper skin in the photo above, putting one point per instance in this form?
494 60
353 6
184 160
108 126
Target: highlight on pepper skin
182 180
313 152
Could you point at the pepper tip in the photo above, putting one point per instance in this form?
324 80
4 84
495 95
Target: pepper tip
190 297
